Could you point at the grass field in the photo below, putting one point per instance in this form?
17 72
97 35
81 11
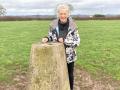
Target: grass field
99 50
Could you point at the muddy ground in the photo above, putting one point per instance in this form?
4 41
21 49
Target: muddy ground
83 81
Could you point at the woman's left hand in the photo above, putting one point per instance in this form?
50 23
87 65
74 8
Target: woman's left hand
61 40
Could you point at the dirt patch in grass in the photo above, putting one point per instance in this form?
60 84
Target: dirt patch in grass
83 81
86 81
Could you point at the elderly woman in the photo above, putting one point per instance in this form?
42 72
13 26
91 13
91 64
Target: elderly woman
64 30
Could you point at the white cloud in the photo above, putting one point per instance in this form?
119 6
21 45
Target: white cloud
30 11
48 6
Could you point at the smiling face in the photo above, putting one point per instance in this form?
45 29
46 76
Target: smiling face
63 14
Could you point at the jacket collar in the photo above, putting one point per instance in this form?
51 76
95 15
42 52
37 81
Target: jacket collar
71 24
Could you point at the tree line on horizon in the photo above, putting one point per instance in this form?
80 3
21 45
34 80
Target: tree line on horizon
4 17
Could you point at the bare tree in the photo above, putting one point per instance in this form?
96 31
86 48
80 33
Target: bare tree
2 10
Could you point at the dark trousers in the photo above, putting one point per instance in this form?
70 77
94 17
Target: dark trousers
71 74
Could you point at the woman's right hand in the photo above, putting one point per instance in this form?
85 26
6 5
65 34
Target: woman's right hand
44 40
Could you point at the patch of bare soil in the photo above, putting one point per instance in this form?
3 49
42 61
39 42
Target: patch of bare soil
83 81
19 82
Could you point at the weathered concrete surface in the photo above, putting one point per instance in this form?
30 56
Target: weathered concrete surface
48 68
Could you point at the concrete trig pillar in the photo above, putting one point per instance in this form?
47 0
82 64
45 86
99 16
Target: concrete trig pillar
48 67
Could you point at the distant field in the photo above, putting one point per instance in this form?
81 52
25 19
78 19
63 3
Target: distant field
99 49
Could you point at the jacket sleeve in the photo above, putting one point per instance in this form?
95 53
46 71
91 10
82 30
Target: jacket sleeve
73 39
50 36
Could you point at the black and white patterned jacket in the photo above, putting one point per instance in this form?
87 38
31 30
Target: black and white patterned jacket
71 41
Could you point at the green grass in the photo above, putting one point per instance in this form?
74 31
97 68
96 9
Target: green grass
99 48
15 44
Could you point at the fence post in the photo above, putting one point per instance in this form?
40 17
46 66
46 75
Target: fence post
48 68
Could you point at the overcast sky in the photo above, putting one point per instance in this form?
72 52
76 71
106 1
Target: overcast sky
47 7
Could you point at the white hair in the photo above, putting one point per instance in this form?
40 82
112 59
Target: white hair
66 6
